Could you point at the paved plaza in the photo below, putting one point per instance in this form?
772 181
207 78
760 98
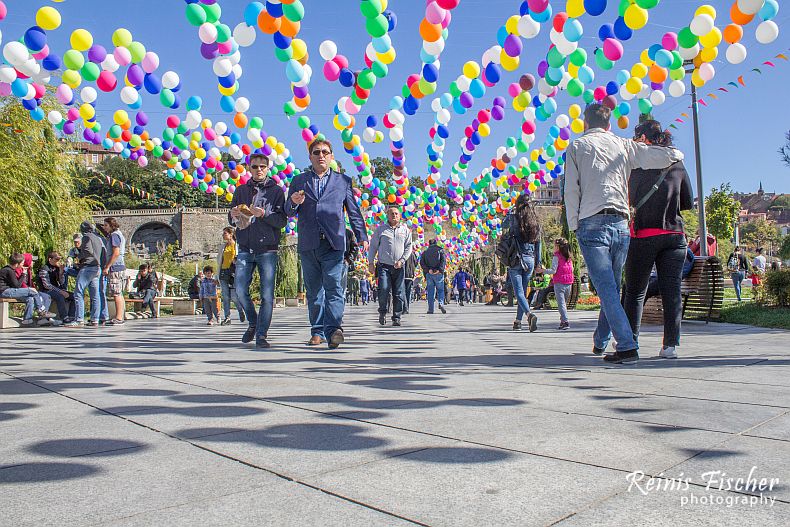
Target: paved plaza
449 420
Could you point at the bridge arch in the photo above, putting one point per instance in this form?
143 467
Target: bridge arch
154 235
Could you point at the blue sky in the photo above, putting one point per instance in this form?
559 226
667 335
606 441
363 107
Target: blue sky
740 132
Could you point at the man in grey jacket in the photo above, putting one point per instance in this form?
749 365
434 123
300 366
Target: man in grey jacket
597 167
392 243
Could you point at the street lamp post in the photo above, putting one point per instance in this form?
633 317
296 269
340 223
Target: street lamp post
703 227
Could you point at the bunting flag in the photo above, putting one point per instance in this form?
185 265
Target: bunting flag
135 191
741 82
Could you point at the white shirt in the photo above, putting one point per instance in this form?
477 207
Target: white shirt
759 263
597 167
393 244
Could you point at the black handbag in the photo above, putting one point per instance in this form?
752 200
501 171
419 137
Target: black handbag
228 275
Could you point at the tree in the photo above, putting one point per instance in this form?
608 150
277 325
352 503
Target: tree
722 212
39 210
150 179
758 233
784 251
690 223
784 150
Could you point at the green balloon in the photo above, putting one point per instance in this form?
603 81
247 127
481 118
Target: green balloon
377 27
371 8
677 61
647 4
196 15
167 98
677 74
602 61
73 60
256 122
621 8
294 11
404 91
213 12
182 128
115 132
284 55
579 57
303 122
223 33
555 58
158 151
551 151
380 70
356 99
366 79
645 106
179 176
90 71
180 141
455 91
522 146
588 96
575 87
687 39
510 142
289 108
137 50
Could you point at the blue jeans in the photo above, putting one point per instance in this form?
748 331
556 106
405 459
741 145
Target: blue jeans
228 295
562 291
148 300
60 298
87 277
519 277
434 284
323 272
32 300
104 314
391 279
266 263
737 278
604 241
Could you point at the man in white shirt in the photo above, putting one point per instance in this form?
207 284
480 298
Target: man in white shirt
392 243
597 167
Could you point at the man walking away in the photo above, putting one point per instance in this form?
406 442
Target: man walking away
460 281
433 262
392 243
409 270
597 168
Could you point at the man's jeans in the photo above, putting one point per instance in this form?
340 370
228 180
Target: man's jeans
266 263
88 277
519 277
737 279
37 301
322 269
434 284
148 300
65 305
604 240
391 279
229 294
407 285
104 314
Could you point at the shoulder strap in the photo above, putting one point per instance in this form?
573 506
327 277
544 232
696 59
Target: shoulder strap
654 188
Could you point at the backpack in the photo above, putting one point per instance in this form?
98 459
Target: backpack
733 264
507 249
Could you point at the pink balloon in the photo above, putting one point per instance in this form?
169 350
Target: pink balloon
122 56
670 41
44 53
434 13
331 71
5 89
612 49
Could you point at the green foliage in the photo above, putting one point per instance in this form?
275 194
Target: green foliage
758 233
781 202
756 315
721 212
784 251
777 287
690 223
150 179
784 150
287 277
39 210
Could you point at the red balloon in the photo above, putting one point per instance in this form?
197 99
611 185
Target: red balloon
559 21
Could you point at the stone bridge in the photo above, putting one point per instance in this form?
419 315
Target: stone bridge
193 230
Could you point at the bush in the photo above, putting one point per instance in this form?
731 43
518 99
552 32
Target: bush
777 287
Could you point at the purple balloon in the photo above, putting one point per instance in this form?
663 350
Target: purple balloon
209 51
195 182
497 113
267 150
513 46
542 68
475 124
657 86
466 100
565 133
527 82
135 74
469 144
97 54
68 127
500 101
300 92
141 118
87 134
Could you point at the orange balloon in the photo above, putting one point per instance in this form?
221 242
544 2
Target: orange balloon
415 91
657 74
391 198
733 33
126 125
302 103
500 165
622 122
430 32
289 28
738 17
144 136
240 120
268 23
303 60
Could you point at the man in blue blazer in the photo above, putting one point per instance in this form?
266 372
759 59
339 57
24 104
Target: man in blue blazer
321 197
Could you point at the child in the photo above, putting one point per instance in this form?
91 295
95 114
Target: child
562 270
208 295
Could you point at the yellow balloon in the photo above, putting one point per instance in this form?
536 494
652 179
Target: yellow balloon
709 54
507 62
48 18
484 130
511 26
517 105
574 111
635 17
573 69
279 148
87 111
81 39
533 155
258 143
645 59
219 190
471 69
712 39
706 10
271 141
121 37
299 48
633 85
388 57
200 153
196 136
120 117
575 8
188 179
205 123
550 164
149 145
228 91
577 126
698 81
228 197
71 78
639 70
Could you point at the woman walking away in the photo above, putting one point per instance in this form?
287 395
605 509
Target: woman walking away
656 198
525 228
226 259
562 269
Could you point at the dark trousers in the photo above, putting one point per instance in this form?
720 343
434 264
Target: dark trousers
407 283
64 301
148 300
667 252
391 280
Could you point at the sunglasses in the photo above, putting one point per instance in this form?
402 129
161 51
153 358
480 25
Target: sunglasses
324 153
258 167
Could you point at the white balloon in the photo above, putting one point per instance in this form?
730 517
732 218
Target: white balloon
529 113
244 35
222 67
677 88
193 119
328 50
562 120
767 32
110 64
7 74
15 53
220 128
527 27
443 116
463 82
235 57
369 134
707 71
88 94
750 7
657 98
170 80
242 105
436 104
253 134
565 47
238 71
434 48
736 53
117 147
701 24
54 117
207 33
689 53
625 94
186 154
129 95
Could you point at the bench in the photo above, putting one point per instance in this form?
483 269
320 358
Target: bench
6 321
573 298
702 292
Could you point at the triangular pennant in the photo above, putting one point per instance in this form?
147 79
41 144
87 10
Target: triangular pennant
740 79
769 63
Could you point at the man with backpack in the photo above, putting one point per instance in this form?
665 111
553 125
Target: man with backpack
738 266
433 262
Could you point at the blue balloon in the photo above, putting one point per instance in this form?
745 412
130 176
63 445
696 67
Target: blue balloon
227 82
501 35
621 30
392 18
430 73
477 88
251 13
152 83
542 17
442 131
606 31
52 62
276 10
30 104
382 44
492 72
372 121
594 7
347 77
19 87
227 104
612 88
652 50
194 103
624 108
281 41
35 39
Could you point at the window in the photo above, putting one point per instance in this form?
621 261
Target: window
94 158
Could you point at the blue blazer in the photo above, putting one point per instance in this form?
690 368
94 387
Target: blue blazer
326 213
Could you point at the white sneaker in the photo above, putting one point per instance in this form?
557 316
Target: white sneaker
668 352
26 322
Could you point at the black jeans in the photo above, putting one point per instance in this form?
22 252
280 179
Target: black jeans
407 292
391 279
668 253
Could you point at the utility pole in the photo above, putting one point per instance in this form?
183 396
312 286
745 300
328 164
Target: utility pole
703 227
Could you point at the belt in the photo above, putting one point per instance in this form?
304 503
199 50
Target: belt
321 236
611 212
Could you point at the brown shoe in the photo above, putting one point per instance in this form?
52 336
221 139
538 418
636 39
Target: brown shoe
337 339
315 340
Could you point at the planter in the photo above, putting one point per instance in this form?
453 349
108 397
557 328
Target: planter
279 301
292 302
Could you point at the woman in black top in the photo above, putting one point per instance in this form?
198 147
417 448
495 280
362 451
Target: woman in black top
656 198
738 266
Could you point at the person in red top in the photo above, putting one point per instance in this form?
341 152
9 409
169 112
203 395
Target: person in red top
562 270
696 248
656 198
